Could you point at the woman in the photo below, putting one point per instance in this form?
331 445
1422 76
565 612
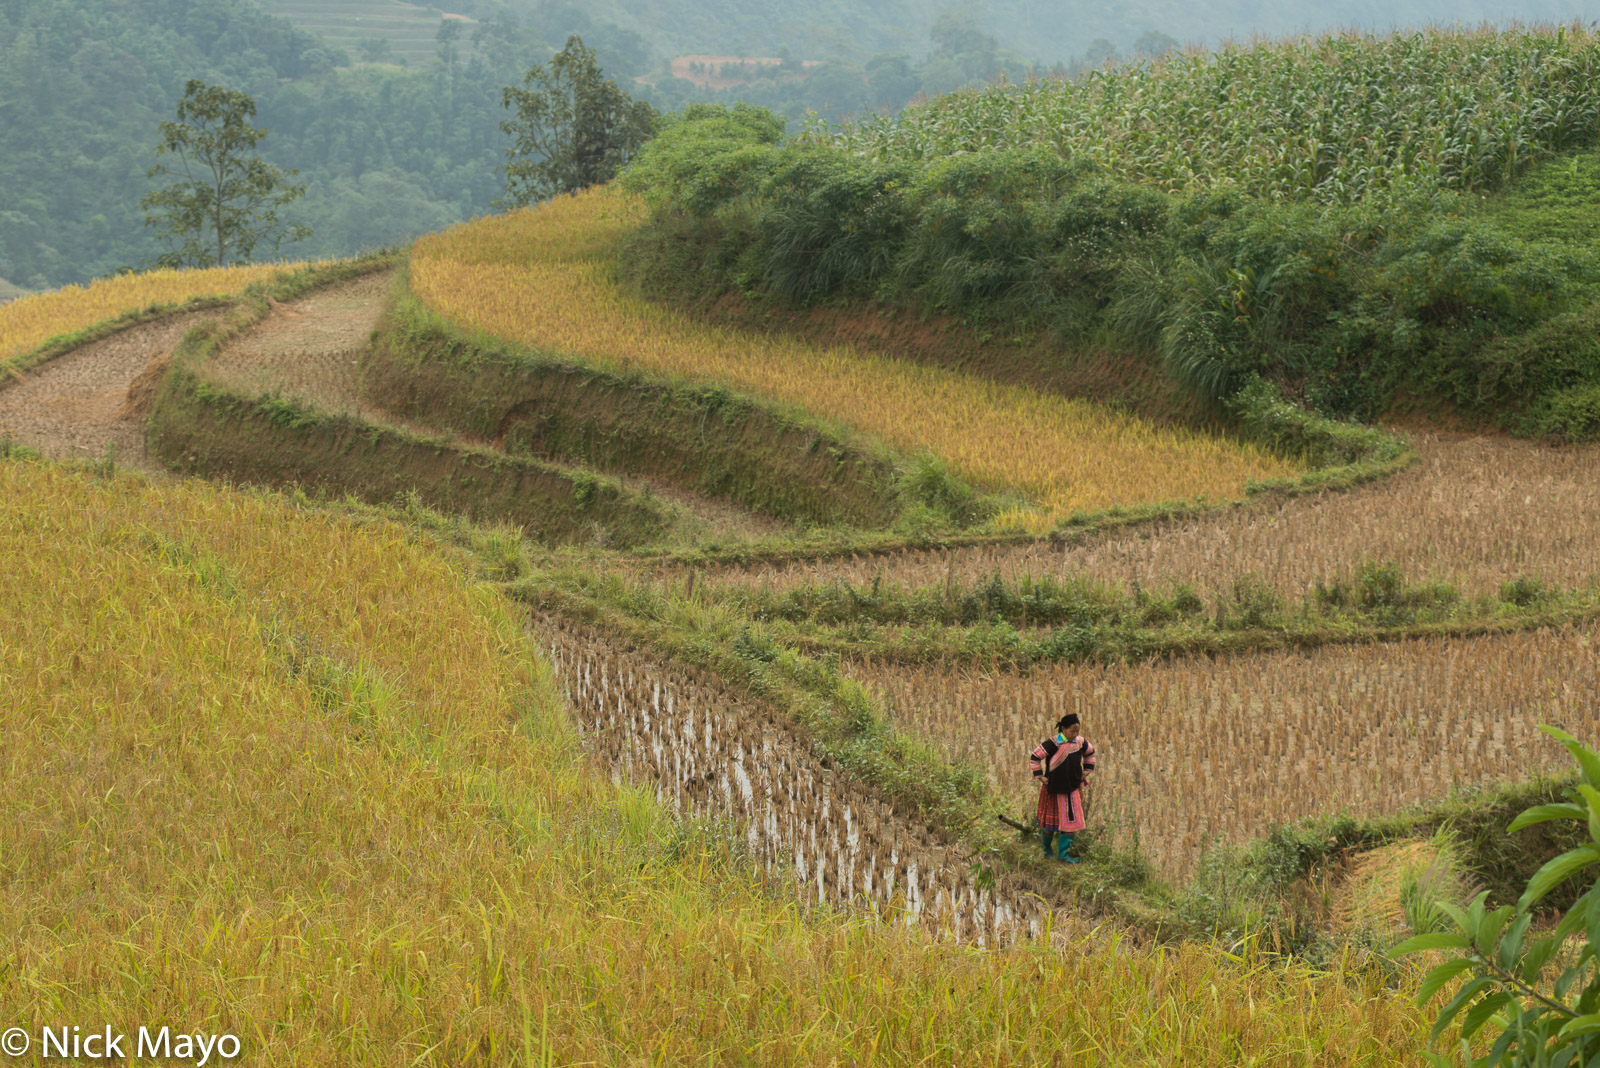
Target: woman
1061 764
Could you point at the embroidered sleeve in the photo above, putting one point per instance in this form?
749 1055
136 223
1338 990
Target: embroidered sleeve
1088 756
1036 761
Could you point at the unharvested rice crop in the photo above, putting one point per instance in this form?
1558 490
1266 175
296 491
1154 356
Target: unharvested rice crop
1475 512
1197 751
544 278
1334 119
290 777
28 323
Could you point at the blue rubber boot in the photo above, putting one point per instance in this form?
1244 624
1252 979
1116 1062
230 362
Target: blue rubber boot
1064 843
1045 834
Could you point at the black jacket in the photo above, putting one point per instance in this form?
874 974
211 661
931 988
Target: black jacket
1066 776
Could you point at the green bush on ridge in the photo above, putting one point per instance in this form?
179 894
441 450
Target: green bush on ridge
1410 290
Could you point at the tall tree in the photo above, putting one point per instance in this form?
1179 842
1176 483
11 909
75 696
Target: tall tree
222 200
573 127
449 33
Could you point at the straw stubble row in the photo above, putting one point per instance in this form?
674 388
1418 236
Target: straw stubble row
709 756
1198 751
1474 511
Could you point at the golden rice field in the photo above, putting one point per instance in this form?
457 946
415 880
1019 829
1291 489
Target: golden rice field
1196 751
292 777
31 321
544 278
1475 511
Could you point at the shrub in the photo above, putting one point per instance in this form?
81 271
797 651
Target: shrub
1023 234
1524 592
705 156
1572 414
1254 603
1539 1022
831 222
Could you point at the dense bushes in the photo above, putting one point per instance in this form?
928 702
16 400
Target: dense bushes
1344 309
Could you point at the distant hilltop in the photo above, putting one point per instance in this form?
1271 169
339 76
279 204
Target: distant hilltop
725 72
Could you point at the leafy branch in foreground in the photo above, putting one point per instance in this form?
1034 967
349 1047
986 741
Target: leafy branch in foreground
1541 1023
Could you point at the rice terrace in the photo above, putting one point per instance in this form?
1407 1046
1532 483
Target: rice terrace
615 629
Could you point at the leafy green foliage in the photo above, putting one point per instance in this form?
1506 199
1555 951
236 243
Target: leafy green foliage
830 221
704 155
1504 985
1372 279
1573 413
1367 117
219 186
573 128
1558 201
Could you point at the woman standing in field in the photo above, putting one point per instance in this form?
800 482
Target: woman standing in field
1061 764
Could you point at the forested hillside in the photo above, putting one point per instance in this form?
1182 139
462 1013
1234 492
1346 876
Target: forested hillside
389 150
386 153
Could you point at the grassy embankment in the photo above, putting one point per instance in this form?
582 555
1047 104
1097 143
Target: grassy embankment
545 279
200 426
698 436
295 777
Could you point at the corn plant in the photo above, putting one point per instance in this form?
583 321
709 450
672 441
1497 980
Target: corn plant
1334 119
1551 1022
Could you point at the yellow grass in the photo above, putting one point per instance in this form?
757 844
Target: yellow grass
545 278
292 777
31 321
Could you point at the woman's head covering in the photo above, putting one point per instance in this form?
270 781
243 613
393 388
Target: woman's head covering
1066 721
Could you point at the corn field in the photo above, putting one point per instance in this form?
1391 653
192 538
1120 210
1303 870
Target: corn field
712 757
544 278
1200 751
1334 119
27 323
1475 512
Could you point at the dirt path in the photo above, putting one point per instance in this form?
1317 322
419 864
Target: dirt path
78 406
310 350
